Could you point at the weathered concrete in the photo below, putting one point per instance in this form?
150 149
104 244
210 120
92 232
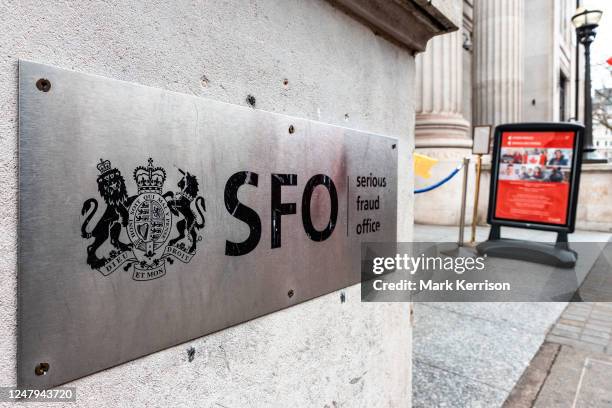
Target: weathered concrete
321 353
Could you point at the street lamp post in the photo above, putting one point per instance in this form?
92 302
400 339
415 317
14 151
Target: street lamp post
586 21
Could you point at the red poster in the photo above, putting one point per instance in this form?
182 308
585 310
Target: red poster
534 176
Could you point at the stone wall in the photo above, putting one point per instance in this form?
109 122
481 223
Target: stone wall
595 198
322 353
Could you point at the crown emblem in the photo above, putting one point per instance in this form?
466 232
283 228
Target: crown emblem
104 166
149 179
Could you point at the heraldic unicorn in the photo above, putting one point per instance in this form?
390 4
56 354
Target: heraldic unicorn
146 220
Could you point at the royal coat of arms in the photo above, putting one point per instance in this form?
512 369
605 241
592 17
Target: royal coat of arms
161 227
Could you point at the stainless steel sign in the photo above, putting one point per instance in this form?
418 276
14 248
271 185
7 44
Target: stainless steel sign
149 218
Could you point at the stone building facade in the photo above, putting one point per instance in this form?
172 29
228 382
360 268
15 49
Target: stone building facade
512 61
602 134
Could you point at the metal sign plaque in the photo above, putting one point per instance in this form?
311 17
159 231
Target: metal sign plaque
148 218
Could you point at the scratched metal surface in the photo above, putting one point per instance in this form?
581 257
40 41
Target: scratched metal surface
79 320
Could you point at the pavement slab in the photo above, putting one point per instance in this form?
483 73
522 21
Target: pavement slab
578 378
489 352
473 354
438 387
528 387
530 317
580 375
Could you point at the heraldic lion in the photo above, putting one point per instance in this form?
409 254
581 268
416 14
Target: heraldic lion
111 186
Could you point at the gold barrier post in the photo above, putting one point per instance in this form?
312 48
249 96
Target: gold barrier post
466 164
476 196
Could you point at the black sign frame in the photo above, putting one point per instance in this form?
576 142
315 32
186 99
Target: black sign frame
576 167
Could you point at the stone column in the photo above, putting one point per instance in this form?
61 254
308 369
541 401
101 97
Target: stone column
439 91
441 131
498 52
498 69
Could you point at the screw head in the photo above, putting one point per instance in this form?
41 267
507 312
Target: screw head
41 369
43 84
291 129
290 293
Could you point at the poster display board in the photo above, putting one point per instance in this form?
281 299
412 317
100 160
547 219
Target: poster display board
535 176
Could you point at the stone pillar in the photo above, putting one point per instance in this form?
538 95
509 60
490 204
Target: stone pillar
498 52
441 131
439 92
498 70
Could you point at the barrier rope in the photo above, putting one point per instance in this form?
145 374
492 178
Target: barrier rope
441 182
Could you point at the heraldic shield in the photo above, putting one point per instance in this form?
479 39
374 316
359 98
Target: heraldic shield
161 227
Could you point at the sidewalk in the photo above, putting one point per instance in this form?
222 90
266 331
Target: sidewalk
573 367
473 354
